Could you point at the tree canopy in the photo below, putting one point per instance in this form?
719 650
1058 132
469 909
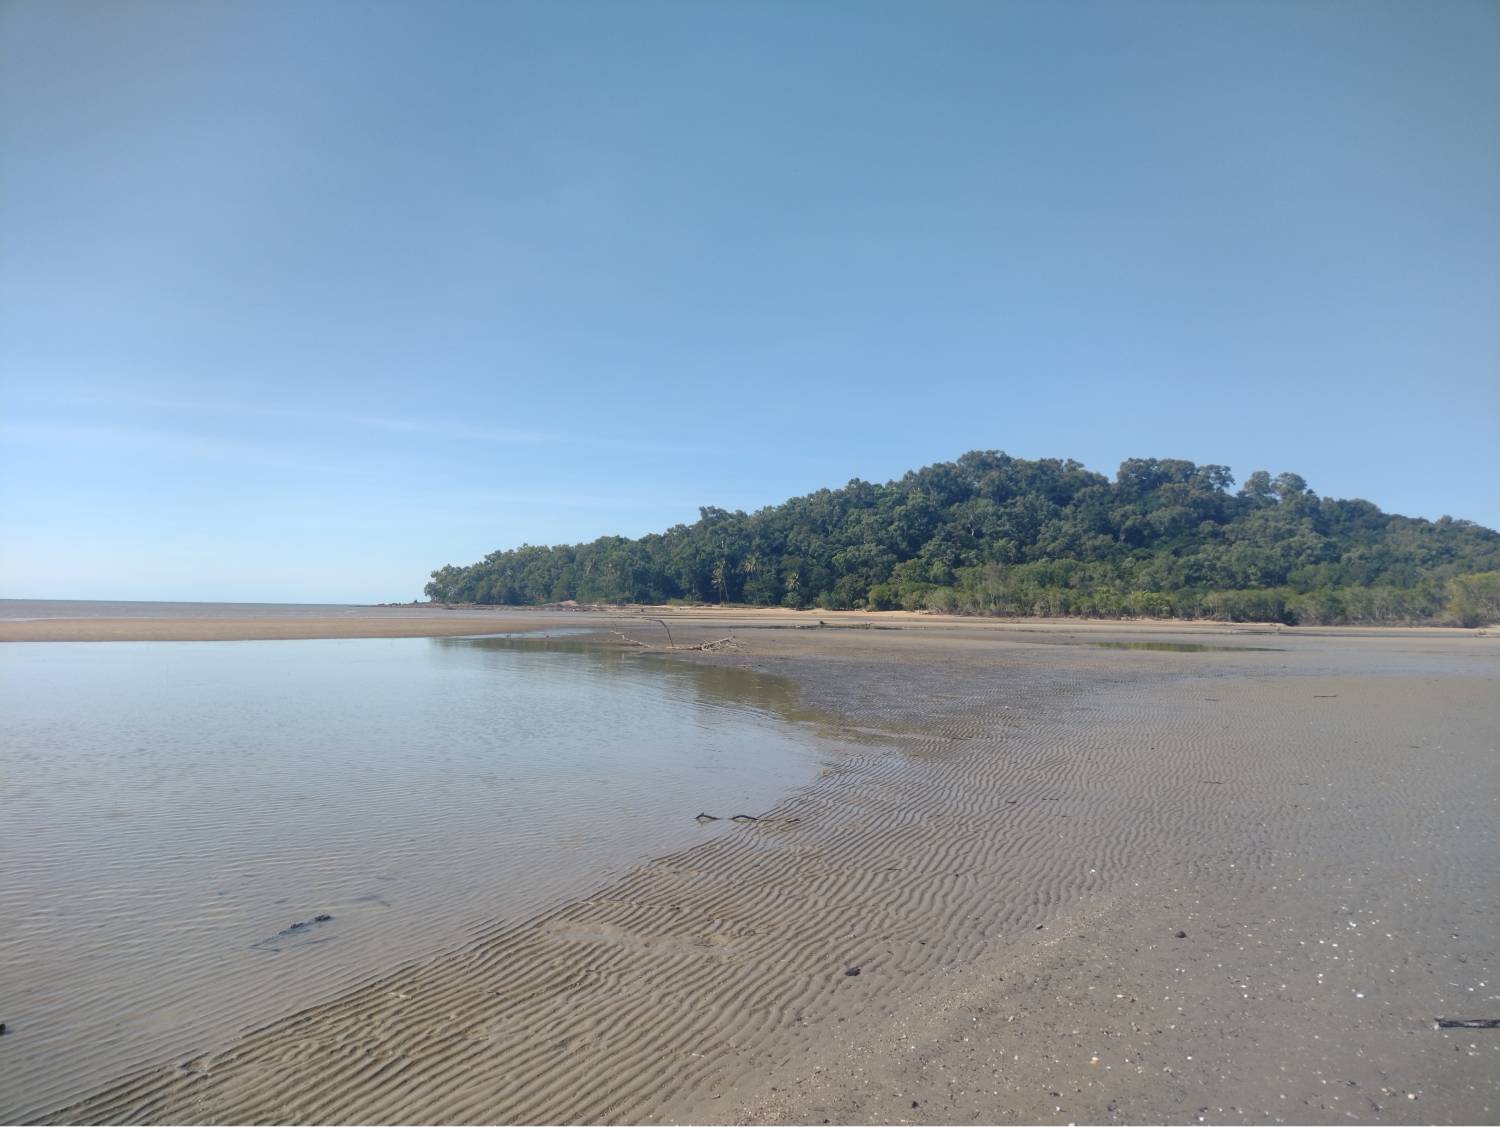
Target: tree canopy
992 534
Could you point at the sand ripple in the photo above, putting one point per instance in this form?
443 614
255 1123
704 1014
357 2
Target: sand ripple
1010 793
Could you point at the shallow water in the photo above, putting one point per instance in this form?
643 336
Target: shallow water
171 810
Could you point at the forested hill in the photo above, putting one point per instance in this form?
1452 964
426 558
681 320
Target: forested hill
991 534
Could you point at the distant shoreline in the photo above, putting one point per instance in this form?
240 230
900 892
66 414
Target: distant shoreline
199 622
259 629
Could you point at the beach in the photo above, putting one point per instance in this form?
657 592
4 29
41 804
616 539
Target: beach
1056 872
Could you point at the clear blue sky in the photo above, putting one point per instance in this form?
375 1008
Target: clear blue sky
301 300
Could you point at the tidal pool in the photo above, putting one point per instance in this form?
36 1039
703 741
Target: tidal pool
200 837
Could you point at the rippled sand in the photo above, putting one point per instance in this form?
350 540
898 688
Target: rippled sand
1011 843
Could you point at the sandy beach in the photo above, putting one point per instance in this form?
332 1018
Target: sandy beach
1060 873
370 624
646 623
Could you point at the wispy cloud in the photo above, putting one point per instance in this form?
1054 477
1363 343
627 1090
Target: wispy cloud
446 429
399 424
152 443
394 424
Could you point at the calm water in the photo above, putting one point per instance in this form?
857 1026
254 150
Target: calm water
169 810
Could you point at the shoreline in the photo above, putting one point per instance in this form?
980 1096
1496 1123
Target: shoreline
1006 852
262 629
403 621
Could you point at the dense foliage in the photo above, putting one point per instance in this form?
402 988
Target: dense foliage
991 534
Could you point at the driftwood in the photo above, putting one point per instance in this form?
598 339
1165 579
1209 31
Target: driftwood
727 643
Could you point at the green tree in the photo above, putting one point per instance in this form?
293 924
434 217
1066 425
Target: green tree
992 534
1474 600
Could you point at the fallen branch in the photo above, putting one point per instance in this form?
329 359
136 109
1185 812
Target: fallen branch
729 643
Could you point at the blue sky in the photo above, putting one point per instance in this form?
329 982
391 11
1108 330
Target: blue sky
299 301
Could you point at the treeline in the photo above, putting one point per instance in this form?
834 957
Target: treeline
991 534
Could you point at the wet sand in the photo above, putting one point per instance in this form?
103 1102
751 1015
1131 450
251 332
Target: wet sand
228 629
1020 824
228 622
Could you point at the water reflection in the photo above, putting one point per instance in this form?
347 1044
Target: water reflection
179 816
713 685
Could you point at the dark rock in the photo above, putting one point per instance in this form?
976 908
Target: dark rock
1182 935
850 972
